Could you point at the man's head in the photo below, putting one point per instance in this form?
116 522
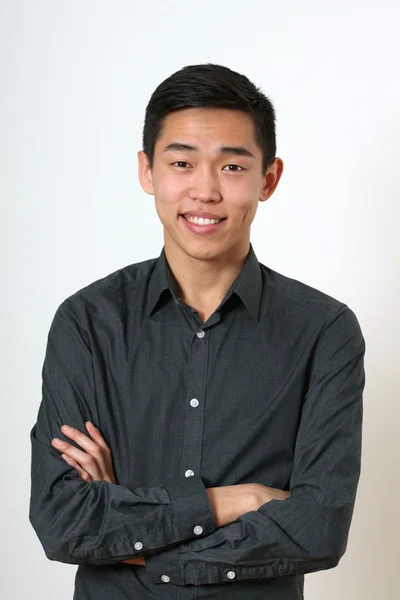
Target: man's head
208 147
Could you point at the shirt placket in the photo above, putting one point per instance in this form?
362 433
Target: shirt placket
194 402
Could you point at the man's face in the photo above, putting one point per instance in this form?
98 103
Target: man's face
206 160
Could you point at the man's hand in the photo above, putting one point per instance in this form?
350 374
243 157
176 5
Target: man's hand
95 464
264 494
230 502
135 561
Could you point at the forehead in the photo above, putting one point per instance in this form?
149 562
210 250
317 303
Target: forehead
208 127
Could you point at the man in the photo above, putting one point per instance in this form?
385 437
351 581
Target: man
213 406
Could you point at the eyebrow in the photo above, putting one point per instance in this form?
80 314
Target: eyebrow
239 150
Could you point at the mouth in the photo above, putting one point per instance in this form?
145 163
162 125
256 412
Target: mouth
202 226
203 221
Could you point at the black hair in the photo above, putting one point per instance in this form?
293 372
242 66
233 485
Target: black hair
213 86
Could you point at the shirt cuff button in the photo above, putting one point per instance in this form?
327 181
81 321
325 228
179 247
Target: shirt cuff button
198 530
138 546
231 574
165 578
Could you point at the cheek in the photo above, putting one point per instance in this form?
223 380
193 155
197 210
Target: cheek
243 204
167 198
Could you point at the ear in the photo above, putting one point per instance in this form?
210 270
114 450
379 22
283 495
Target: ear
144 172
272 178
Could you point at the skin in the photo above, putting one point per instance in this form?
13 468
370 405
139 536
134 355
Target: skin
94 463
229 185
207 180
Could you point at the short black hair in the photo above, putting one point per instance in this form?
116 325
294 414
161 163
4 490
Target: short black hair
213 86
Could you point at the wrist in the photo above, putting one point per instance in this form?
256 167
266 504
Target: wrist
230 502
212 497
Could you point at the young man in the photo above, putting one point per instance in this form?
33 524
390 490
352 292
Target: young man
227 397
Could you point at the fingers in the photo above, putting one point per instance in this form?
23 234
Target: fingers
94 448
81 472
94 461
89 445
96 435
79 456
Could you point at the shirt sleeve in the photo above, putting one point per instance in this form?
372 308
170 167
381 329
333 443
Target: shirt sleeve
96 522
309 530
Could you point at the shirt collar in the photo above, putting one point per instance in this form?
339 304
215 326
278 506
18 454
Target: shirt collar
247 285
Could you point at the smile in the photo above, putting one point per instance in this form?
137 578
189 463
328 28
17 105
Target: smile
200 226
201 221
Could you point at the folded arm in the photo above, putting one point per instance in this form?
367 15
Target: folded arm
308 531
92 460
97 522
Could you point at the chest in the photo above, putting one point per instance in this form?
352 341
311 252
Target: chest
223 401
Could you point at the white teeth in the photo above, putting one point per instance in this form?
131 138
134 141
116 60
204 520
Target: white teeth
201 221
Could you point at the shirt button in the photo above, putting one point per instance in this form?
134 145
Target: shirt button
231 574
165 578
189 473
138 546
198 530
200 334
194 402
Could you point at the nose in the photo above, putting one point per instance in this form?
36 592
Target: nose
204 186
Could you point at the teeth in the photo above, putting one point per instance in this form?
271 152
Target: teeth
201 221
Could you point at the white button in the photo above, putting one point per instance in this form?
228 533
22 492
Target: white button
200 334
165 578
198 530
194 402
189 473
231 574
138 546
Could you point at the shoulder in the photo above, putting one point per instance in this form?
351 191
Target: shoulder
295 290
302 305
110 295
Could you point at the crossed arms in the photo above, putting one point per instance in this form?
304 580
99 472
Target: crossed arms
93 462
100 522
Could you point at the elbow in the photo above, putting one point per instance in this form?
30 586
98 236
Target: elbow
46 523
58 552
331 560
320 560
55 548
69 548
59 527
336 551
329 540
327 554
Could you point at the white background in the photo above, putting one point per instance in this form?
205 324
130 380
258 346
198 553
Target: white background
75 80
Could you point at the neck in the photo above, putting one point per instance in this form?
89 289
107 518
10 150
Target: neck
203 283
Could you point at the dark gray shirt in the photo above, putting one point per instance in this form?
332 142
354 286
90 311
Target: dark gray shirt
268 390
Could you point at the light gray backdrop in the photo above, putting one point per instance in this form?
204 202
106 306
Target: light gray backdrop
75 79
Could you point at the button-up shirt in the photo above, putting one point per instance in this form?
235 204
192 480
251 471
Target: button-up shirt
267 390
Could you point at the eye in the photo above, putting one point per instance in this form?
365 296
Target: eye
236 168
180 163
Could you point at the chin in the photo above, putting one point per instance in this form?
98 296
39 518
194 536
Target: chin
199 248
205 249
205 255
